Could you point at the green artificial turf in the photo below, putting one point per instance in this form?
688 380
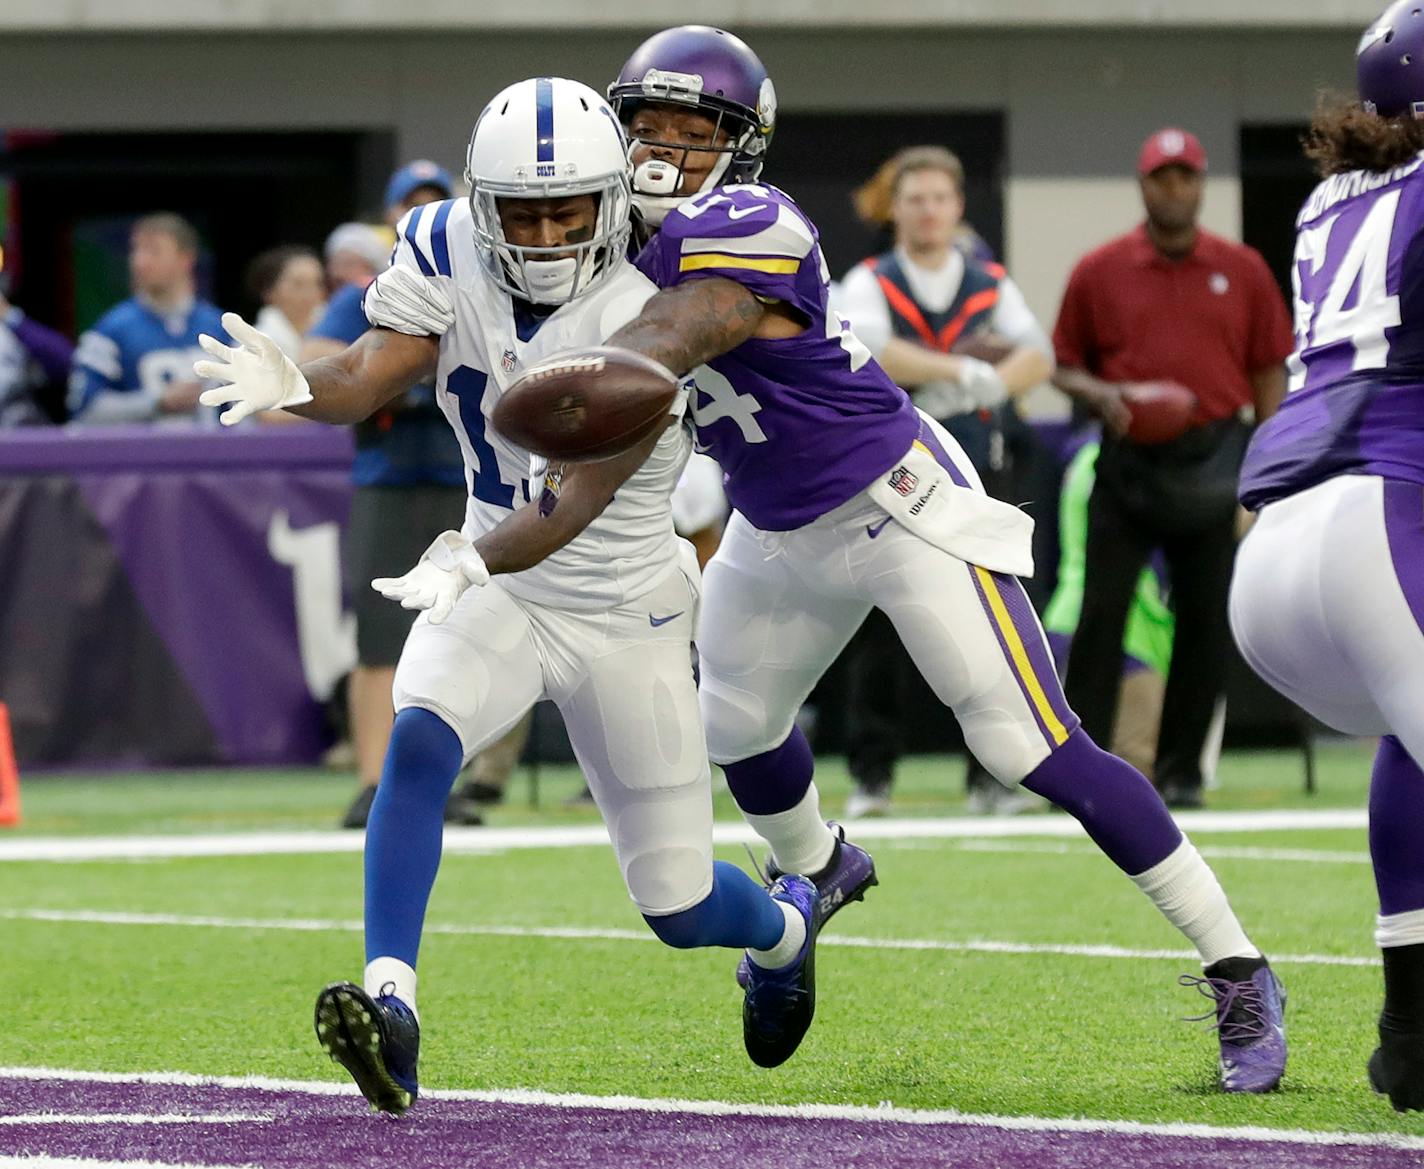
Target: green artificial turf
1030 1034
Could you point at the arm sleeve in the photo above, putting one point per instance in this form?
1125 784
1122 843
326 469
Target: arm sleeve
1073 334
1272 337
96 392
863 304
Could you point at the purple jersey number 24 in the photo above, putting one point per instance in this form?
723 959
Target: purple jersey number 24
1346 284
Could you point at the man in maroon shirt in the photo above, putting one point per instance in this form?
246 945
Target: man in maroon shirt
1168 301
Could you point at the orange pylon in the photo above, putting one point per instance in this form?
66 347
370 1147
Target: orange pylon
9 773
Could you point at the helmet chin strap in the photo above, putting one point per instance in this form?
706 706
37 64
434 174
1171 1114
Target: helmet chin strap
655 181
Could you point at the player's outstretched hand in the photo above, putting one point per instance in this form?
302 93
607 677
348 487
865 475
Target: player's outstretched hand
260 375
446 569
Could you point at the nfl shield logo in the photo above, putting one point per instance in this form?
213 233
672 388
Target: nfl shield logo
508 361
903 481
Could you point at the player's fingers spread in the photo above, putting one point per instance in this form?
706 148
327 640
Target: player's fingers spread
215 347
247 334
236 414
219 396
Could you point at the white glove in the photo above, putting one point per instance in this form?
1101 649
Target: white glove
445 570
981 381
262 377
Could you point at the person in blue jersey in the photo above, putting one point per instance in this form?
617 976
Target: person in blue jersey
409 484
136 363
565 582
847 498
1327 601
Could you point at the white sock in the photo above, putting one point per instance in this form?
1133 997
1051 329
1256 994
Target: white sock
391 976
800 841
1190 897
785 950
1399 929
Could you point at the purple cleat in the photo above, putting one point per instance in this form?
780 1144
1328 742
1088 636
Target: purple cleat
846 877
1250 1021
780 1004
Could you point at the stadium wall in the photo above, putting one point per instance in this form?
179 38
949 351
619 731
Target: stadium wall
1076 102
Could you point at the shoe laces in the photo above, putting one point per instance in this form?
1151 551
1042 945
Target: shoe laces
757 866
1240 1014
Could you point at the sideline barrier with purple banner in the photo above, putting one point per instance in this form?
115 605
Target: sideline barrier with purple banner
172 597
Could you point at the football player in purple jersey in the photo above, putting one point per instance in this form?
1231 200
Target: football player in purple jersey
1327 601
846 497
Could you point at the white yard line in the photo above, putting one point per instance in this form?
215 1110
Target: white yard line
488 840
884 1113
575 933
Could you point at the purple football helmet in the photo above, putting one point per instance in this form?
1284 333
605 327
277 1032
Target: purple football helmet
1390 62
711 71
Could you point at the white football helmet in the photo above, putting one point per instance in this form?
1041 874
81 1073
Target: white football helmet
547 138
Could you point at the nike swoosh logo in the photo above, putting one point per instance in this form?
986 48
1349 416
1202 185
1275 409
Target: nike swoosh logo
656 621
743 212
873 530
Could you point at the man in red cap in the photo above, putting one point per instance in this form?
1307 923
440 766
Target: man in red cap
1168 301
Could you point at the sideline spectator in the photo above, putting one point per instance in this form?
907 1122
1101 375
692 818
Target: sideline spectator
410 484
31 356
136 363
913 306
355 253
1168 301
289 283
1147 639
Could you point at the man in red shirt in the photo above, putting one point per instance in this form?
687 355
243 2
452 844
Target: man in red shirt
1168 301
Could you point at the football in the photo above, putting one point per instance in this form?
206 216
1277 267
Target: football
986 346
587 404
1161 411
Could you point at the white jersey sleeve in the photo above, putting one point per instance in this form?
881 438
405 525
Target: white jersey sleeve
415 295
863 304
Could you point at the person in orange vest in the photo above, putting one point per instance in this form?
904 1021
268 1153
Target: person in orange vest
948 325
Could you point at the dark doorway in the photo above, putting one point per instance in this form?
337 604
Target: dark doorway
819 159
73 197
1275 180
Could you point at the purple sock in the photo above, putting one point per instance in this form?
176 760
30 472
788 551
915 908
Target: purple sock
1397 828
775 780
1120 809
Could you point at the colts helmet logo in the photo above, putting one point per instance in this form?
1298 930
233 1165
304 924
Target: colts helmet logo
903 480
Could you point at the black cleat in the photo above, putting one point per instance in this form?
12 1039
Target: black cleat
1397 1068
376 1040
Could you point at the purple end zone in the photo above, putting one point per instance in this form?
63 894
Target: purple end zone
297 1130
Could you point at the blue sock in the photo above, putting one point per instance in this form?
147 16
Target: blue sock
738 913
404 832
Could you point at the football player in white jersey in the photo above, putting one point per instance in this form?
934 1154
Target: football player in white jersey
572 588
